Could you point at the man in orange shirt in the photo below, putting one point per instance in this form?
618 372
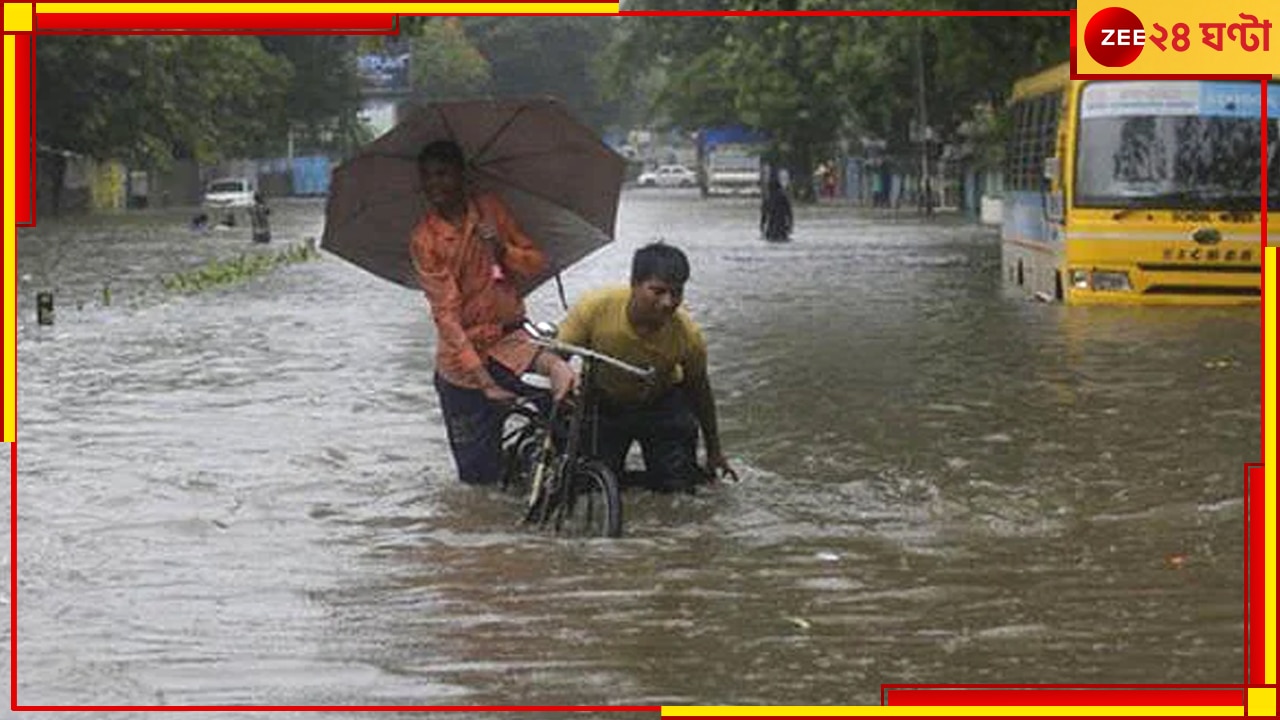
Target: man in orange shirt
468 252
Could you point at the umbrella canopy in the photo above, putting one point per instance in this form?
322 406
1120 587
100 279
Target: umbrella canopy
558 177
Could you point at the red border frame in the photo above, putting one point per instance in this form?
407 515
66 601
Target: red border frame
954 695
228 24
24 131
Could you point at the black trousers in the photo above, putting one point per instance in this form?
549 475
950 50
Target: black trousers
474 424
667 431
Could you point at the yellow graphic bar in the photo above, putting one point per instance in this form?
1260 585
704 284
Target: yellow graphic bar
1262 701
10 241
1179 38
17 17
1269 457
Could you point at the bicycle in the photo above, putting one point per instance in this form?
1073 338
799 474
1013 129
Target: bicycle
544 454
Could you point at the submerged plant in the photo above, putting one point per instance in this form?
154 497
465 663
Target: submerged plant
240 268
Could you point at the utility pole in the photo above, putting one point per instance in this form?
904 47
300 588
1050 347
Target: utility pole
923 119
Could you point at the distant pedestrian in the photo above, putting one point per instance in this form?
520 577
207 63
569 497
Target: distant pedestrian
258 219
775 211
200 223
829 182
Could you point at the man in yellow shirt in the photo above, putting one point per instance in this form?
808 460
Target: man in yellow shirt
644 325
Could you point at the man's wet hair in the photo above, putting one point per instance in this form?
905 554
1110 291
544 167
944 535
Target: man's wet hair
444 151
662 262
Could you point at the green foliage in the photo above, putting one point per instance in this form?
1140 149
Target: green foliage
238 269
558 55
444 64
149 99
324 96
815 83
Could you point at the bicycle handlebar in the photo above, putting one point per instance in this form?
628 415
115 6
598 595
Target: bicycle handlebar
559 346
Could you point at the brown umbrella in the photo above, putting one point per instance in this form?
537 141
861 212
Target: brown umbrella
559 179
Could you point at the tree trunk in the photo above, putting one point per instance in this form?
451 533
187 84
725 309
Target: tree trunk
801 168
59 178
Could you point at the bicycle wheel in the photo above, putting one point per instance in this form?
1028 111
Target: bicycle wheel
517 460
520 437
542 481
591 504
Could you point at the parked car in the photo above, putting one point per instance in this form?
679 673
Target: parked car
229 193
668 176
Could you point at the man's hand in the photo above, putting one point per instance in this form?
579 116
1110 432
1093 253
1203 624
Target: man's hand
563 378
489 235
718 466
494 392
497 393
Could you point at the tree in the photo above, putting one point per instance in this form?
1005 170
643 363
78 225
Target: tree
556 56
323 96
774 74
444 64
148 99
813 82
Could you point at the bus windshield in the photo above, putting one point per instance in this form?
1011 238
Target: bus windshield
1176 144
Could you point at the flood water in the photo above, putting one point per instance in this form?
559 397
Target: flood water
245 496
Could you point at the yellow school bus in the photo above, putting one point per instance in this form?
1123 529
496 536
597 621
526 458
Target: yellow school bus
1137 191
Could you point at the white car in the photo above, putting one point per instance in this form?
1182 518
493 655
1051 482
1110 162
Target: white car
229 193
668 176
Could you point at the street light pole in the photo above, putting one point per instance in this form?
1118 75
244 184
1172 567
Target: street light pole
923 117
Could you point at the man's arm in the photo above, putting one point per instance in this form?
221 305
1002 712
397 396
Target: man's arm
704 408
698 389
516 252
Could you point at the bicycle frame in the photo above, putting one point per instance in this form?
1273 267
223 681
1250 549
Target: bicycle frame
566 457
561 466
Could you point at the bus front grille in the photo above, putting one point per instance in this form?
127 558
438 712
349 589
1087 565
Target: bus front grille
1224 290
1171 267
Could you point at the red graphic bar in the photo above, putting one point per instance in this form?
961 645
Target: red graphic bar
960 697
1255 574
23 132
333 22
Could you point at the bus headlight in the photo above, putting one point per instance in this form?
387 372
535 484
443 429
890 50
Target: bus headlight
1101 280
1111 281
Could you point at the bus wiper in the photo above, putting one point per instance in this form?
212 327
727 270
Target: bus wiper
1233 201
1124 213
1242 202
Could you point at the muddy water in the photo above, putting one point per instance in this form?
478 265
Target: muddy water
245 495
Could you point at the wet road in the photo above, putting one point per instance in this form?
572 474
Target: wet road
245 495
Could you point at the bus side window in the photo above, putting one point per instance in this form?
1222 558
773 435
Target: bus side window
1052 183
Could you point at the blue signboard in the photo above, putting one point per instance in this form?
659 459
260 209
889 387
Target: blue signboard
1212 98
1235 99
311 175
731 135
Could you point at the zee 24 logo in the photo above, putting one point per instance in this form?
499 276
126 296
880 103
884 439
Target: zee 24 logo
1115 36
